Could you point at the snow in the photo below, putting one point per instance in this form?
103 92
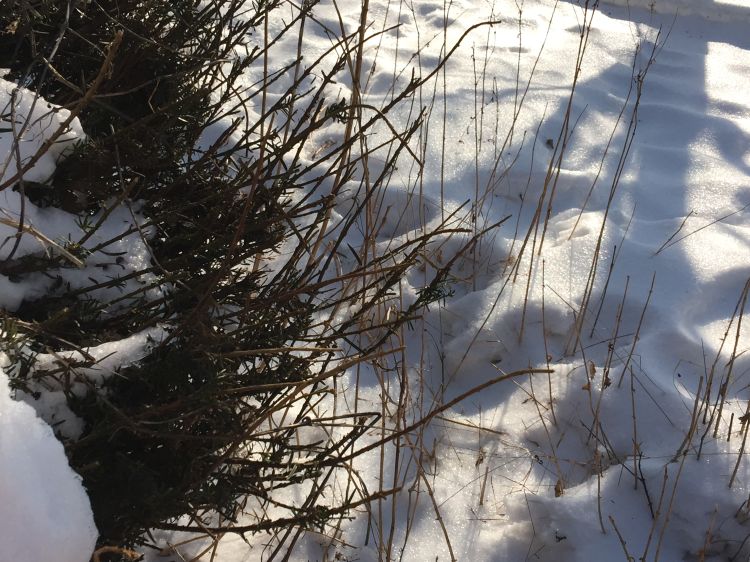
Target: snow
49 399
43 504
495 460
45 510
28 118
615 426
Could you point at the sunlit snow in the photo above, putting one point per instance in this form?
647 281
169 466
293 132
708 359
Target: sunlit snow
520 471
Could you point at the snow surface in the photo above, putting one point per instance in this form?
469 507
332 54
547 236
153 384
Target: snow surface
496 463
45 510
29 119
